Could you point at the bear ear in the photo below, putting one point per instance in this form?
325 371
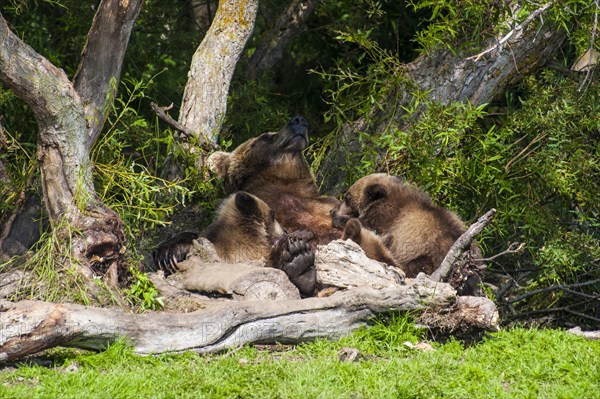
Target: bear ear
218 162
375 192
246 203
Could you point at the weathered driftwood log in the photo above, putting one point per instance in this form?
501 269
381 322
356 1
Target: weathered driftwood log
175 298
11 281
241 281
343 264
30 326
468 315
586 334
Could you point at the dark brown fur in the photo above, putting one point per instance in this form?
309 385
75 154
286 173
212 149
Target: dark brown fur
272 167
417 233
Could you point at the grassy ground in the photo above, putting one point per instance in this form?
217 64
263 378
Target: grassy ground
519 363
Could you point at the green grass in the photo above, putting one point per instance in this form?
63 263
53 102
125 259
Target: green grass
519 363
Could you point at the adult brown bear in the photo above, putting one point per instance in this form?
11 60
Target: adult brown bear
272 167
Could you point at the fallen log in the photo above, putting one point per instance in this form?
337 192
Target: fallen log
343 264
586 334
32 326
240 281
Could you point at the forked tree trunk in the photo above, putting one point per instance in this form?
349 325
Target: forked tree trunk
205 97
66 131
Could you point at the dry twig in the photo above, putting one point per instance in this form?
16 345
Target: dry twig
461 245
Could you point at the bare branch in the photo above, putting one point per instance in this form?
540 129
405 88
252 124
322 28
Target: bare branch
565 309
554 288
517 29
187 133
513 248
461 245
161 112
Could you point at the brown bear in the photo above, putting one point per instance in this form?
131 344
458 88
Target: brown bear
272 167
390 219
245 229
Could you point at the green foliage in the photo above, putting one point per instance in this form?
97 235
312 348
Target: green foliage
536 161
142 293
388 334
128 158
259 108
460 25
510 364
54 275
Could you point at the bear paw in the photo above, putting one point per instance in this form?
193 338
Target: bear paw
294 255
169 253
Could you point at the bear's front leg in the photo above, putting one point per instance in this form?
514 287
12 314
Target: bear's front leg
294 255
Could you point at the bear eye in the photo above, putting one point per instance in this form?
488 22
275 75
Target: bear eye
272 215
347 199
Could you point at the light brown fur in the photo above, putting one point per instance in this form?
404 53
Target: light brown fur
272 167
244 229
417 233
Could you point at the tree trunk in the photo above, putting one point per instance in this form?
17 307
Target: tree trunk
479 79
450 77
99 70
205 96
275 40
95 232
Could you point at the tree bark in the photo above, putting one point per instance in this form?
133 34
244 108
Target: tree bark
66 170
275 40
205 96
461 245
99 70
32 326
242 282
479 79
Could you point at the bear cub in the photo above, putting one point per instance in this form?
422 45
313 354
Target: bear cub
272 167
400 225
245 229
